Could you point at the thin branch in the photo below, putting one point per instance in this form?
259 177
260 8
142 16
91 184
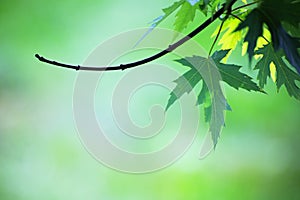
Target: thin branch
219 32
237 17
171 48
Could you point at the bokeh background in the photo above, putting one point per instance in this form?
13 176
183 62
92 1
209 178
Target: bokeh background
42 157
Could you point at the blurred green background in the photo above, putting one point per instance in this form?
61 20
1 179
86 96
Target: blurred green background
41 155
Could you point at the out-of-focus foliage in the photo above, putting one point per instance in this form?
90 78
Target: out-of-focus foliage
42 157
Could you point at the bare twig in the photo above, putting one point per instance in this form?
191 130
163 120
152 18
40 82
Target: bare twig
171 48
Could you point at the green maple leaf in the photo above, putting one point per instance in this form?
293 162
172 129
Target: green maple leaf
210 71
206 4
282 10
205 70
169 10
254 22
184 16
275 14
289 45
285 76
278 13
231 73
185 83
204 99
263 65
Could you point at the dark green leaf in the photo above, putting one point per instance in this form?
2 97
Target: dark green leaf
254 22
290 47
203 69
205 100
282 10
185 83
274 13
263 65
294 31
285 76
231 75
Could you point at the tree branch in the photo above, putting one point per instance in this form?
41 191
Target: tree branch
171 48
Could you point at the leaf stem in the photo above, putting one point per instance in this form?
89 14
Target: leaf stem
169 49
215 41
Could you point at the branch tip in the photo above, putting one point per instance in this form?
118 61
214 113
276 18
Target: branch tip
38 56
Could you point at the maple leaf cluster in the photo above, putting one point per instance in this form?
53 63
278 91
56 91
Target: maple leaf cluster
267 29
